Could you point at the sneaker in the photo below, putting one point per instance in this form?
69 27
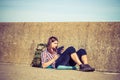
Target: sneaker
86 68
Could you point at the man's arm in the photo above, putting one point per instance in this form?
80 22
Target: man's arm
46 64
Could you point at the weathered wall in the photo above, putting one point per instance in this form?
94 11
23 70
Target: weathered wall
100 39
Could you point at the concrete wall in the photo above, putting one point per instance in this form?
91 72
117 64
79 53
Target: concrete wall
100 39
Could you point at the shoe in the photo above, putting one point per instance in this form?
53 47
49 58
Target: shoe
86 68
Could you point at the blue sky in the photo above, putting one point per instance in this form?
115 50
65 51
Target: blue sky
59 10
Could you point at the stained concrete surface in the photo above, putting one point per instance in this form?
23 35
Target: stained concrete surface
25 72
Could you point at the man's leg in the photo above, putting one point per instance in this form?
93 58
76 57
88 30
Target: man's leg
75 58
83 58
65 57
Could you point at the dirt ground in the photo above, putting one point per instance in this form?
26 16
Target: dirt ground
25 72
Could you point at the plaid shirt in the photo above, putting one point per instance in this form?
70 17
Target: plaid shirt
46 56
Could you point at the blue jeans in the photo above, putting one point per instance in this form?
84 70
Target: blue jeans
65 58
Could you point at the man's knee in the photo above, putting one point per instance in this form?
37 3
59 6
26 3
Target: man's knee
82 52
71 49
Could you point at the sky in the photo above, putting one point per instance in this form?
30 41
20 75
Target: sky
59 10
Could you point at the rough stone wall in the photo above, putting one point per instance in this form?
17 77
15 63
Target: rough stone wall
100 39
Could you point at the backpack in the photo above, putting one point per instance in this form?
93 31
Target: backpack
36 62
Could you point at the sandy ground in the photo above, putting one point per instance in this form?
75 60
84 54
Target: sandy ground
25 72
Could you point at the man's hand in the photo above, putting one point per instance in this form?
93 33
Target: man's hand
60 50
56 57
